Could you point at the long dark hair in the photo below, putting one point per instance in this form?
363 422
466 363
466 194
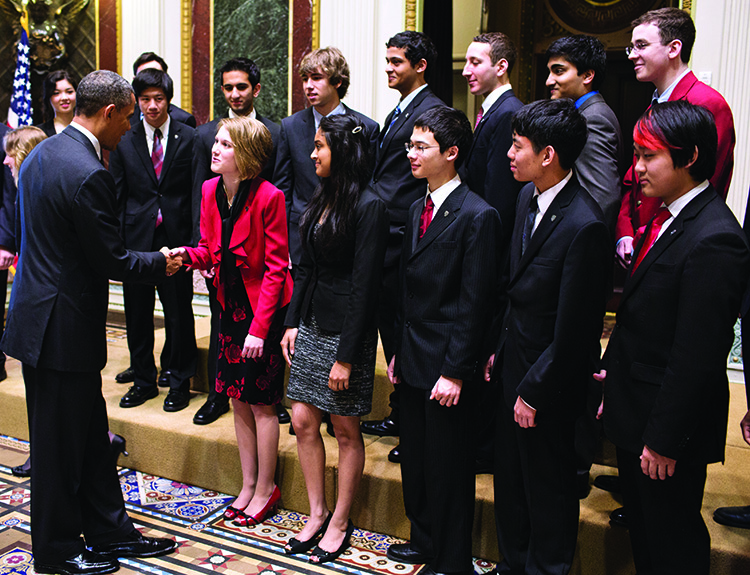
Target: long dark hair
351 169
50 83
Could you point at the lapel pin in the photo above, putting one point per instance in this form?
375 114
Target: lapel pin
672 232
445 215
553 217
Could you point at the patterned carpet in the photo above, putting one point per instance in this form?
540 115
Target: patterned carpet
193 517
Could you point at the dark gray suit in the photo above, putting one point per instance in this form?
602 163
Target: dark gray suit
446 305
71 246
294 173
598 166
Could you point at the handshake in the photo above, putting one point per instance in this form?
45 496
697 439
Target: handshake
174 259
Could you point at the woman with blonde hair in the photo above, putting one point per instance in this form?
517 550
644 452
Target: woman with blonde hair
244 241
18 144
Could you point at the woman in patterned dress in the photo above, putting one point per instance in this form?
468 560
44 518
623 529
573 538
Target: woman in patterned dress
331 339
244 241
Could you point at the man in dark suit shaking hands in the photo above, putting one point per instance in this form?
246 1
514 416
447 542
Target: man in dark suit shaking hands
449 270
560 261
70 247
666 395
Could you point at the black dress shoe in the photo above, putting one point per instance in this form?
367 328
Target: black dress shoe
282 414
210 412
619 517
138 396
141 547
127 376
3 374
384 428
20 471
176 400
403 553
164 378
609 483
394 455
733 516
85 563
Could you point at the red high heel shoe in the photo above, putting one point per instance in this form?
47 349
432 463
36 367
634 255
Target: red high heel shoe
244 520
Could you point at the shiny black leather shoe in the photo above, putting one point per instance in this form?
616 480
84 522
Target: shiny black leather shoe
3 373
138 396
384 428
609 483
733 516
403 553
164 378
394 455
176 400
85 563
23 470
210 412
127 376
283 414
619 517
141 547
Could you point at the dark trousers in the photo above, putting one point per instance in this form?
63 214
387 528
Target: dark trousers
389 298
667 531
437 471
180 353
536 505
74 485
3 296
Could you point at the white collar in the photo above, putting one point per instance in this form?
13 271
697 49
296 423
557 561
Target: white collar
493 96
92 138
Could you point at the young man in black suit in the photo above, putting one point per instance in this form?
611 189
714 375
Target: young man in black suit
449 270
325 78
409 55
666 394
560 262
159 206
240 84
153 60
56 328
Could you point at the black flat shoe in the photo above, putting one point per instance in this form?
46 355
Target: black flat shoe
85 563
141 547
164 378
295 546
176 400
210 412
138 396
384 428
282 414
319 555
23 470
394 455
127 376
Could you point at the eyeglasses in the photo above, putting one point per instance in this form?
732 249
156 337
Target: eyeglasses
419 148
637 48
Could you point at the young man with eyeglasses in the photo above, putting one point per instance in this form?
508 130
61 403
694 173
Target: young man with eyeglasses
660 50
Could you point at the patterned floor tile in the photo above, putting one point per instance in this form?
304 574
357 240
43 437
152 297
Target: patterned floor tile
16 561
15 496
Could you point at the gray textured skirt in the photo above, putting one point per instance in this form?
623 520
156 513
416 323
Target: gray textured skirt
314 355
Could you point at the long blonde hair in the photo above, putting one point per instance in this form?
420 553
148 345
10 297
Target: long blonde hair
18 143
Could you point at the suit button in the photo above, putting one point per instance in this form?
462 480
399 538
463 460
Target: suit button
408 324
374 180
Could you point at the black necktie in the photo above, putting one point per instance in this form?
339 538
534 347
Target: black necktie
528 226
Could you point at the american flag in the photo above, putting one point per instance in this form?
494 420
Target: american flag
20 113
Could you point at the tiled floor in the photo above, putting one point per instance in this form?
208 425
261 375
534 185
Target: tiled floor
193 517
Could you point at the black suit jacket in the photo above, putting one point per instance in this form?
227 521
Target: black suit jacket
294 173
392 179
140 195
557 293
70 249
205 141
7 201
174 112
342 285
447 283
666 361
486 168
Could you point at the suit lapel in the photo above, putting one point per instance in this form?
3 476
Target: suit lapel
441 219
485 117
141 148
175 140
385 141
684 86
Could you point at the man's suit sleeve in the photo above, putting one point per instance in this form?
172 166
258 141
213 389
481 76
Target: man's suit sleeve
723 260
283 172
117 170
478 282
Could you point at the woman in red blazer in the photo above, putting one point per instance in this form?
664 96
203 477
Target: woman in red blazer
244 241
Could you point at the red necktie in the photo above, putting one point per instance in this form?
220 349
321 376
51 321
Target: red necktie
652 232
426 218
479 118
157 155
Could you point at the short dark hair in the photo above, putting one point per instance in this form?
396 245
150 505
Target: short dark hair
101 88
501 48
149 57
680 127
241 65
416 47
450 127
49 87
673 24
153 78
332 63
584 52
556 123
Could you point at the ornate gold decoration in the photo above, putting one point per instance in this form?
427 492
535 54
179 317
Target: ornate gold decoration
186 98
410 15
96 35
119 37
315 24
